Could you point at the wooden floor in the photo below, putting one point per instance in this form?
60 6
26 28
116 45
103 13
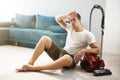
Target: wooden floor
12 57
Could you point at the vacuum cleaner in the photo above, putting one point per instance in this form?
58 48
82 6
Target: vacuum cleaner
92 62
100 70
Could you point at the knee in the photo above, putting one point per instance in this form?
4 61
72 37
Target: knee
68 58
45 39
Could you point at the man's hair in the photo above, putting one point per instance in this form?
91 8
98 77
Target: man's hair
78 16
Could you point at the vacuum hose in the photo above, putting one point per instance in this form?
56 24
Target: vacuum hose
102 24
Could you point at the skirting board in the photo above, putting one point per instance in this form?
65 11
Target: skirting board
111 51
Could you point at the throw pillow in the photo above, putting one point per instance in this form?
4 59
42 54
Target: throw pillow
25 21
43 22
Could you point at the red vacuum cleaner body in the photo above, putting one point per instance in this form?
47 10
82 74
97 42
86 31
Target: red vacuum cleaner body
91 62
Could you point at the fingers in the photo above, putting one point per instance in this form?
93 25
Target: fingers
78 57
72 14
75 13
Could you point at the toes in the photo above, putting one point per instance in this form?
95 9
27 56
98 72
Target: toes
20 70
24 68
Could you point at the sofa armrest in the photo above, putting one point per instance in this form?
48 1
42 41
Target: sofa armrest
6 24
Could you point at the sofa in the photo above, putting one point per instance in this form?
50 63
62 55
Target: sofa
26 30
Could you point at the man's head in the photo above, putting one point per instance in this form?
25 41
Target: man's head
74 14
75 18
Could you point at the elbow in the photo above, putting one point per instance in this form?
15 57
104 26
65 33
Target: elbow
57 19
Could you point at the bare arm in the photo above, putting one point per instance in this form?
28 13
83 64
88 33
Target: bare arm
60 20
94 49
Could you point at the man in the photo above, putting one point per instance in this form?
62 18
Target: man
77 41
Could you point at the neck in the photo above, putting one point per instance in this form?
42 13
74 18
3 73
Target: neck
78 28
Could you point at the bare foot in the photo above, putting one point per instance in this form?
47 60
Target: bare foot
25 68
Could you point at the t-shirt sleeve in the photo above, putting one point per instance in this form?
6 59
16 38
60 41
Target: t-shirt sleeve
91 38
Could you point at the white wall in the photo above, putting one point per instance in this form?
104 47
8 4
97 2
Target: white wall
112 30
8 9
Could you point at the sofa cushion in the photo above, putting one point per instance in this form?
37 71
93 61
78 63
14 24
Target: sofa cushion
56 29
43 22
25 21
32 36
24 35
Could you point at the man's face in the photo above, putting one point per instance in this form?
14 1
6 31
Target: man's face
74 21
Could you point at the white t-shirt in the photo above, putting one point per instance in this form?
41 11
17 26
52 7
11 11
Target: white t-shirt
77 40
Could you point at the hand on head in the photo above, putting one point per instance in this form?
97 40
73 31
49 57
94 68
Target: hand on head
72 15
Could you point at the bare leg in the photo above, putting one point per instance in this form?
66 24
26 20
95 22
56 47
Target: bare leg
66 60
44 42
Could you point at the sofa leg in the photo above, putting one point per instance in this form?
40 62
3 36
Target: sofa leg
16 43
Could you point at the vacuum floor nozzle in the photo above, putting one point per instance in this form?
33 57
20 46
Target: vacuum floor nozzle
102 72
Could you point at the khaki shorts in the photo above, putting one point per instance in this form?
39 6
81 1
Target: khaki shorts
56 52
